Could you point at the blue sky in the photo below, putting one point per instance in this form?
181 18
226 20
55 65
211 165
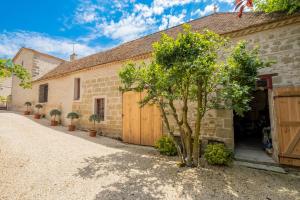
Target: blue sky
53 26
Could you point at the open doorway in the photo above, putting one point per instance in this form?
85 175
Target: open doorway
252 132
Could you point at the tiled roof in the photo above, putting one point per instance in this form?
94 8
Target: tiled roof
221 23
37 52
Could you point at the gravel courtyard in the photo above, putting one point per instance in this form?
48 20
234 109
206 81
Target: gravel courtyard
40 162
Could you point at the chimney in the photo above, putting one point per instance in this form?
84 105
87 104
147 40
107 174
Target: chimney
215 9
73 57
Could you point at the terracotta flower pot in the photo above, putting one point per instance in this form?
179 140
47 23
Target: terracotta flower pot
26 112
71 128
54 123
37 116
93 133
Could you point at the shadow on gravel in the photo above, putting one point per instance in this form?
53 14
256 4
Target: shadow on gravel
146 177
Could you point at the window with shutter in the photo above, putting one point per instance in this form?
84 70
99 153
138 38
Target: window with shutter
100 108
76 88
43 93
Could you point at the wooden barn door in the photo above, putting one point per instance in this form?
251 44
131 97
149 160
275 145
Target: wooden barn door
140 125
287 108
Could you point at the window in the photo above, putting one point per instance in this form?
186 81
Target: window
43 93
76 88
100 108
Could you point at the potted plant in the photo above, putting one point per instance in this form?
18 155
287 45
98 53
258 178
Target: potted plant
38 115
94 118
54 113
72 116
28 105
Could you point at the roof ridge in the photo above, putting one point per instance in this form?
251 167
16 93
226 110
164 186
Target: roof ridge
217 23
36 51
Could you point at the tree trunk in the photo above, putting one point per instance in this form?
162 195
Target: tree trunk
189 159
196 145
171 134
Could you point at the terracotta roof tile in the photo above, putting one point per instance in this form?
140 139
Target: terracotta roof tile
221 23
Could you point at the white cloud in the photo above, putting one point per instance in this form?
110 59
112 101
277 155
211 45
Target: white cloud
231 2
86 12
207 10
172 20
128 28
11 42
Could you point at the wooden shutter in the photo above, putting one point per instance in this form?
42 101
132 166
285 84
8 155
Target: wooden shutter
76 88
46 93
100 108
43 93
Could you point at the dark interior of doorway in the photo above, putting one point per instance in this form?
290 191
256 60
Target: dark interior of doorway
252 131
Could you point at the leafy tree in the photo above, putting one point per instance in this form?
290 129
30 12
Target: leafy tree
8 68
186 71
268 6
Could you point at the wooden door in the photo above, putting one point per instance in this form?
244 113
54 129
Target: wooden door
287 108
151 124
140 125
131 118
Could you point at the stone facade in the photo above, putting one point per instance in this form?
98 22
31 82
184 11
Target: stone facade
280 43
5 87
37 64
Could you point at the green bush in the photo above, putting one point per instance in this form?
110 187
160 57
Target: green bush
166 146
218 154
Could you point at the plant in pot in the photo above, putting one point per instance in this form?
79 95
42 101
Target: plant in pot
72 116
28 105
54 113
94 118
38 107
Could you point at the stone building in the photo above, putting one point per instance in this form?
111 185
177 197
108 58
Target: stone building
92 83
37 64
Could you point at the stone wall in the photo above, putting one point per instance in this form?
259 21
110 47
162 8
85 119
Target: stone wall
280 44
102 87
37 65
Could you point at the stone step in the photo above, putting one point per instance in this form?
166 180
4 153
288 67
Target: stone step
261 166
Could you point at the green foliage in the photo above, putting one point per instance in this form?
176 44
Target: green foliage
3 99
73 115
94 118
54 113
8 68
290 6
27 103
166 146
218 154
191 69
241 76
39 106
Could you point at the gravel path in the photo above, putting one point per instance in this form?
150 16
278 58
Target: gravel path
39 162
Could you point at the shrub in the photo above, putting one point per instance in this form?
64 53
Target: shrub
38 106
72 116
55 112
218 154
94 118
166 146
27 103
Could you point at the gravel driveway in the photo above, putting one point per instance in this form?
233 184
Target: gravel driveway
39 162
